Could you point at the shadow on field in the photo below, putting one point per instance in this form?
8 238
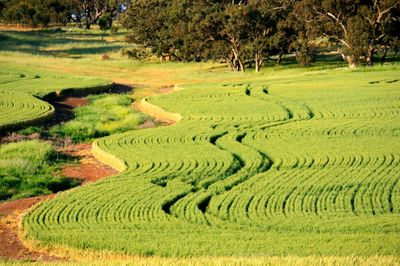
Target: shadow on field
51 41
71 99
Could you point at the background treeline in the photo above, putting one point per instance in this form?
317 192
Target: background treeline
45 12
244 33
250 32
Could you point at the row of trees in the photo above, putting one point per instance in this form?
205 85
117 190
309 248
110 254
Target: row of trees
44 12
248 32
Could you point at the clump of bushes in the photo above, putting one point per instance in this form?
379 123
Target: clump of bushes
104 115
27 169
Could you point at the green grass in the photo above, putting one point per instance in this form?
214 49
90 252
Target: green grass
27 169
20 79
20 109
287 162
288 260
104 115
20 88
58 42
294 163
40 82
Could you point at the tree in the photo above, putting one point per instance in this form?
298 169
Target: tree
148 24
35 12
357 26
105 23
264 35
380 17
90 11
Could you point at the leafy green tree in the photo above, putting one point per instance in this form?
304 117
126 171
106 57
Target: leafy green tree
36 12
357 26
105 23
45 12
148 24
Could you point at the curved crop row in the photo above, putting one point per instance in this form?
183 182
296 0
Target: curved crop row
19 109
250 169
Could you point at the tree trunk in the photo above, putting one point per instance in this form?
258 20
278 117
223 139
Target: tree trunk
370 56
88 24
238 63
279 61
352 62
241 66
383 58
257 62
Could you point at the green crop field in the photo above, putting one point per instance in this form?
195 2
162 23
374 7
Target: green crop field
21 89
292 163
18 109
287 166
20 78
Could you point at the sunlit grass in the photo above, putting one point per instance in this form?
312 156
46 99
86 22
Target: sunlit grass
27 169
105 115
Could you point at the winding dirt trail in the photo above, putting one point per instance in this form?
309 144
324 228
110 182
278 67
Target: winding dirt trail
11 247
88 170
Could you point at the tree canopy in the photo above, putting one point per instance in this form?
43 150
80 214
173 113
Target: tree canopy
241 32
250 32
45 12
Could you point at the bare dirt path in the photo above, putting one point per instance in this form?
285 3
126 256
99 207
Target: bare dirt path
87 170
11 247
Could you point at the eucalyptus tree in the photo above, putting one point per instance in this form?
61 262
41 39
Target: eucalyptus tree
357 26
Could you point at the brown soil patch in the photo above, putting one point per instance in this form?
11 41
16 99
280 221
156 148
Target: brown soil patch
11 247
73 102
88 170
166 89
64 107
10 207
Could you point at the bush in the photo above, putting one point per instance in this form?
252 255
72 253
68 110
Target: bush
105 22
30 130
26 170
114 30
105 115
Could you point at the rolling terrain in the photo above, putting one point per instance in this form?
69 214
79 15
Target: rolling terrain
301 165
287 166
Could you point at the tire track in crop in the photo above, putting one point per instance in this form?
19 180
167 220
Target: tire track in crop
255 170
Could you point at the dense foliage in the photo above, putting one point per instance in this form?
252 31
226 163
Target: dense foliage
251 31
300 163
104 115
45 12
27 169
244 33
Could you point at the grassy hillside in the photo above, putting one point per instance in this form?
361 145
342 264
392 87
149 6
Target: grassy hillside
298 163
20 79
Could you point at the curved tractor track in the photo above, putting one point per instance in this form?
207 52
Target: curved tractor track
245 172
